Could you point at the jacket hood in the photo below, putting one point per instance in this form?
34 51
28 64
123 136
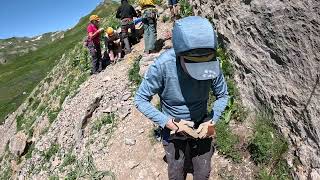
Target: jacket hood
193 32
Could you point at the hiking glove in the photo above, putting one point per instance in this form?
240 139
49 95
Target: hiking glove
206 130
184 127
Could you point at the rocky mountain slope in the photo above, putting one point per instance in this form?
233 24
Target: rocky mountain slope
73 126
17 46
275 46
22 74
95 131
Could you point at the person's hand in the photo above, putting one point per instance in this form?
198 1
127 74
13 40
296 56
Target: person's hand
206 129
101 30
182 126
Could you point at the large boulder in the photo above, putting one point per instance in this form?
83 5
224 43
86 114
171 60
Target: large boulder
275 47
18 143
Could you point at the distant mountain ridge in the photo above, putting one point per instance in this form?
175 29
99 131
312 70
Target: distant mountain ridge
17 46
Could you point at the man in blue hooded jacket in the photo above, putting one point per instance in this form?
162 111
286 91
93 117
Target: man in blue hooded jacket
183 77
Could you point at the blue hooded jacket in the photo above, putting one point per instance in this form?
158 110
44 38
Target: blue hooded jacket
180 95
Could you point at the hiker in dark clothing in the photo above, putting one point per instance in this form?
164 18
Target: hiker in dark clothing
113 44
126 13
94 43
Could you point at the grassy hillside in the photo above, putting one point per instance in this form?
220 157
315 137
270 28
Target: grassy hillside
17 46
19 77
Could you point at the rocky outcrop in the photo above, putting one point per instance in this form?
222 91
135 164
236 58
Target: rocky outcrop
275 47
18 144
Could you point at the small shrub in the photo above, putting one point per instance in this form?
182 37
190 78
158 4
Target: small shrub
158 2
30 132
225 63
267 148
64 95
266 144
48 80
51 151
134 76
41 108
227 141
108 119
86 169
279 172
30 150
113 22
239 113
6 173
52 115
30 100
185 8
35 104
165 18
68 160
28 122
20 121
71 175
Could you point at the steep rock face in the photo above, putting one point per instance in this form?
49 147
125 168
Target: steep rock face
275 46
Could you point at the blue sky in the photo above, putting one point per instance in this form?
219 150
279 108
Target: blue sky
35 17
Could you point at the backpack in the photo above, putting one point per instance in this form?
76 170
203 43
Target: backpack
143 3
150 15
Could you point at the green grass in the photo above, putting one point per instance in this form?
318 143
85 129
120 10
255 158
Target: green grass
267 144
227 141
68 160
72 175
165 18
113 22
20 121
52 115
23 73
134 76
86 169
107 119
281 171
30 150
24 123
53 177
6 173
268 148
185 8
54 148
158 2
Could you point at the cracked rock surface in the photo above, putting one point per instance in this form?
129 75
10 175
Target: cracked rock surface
275 46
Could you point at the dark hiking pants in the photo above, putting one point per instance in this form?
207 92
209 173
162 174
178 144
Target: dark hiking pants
95 52
127 24
189 155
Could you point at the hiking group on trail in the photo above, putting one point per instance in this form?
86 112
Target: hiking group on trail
182 77
118 43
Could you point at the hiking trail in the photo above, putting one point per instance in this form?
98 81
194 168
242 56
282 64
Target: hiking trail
125 148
